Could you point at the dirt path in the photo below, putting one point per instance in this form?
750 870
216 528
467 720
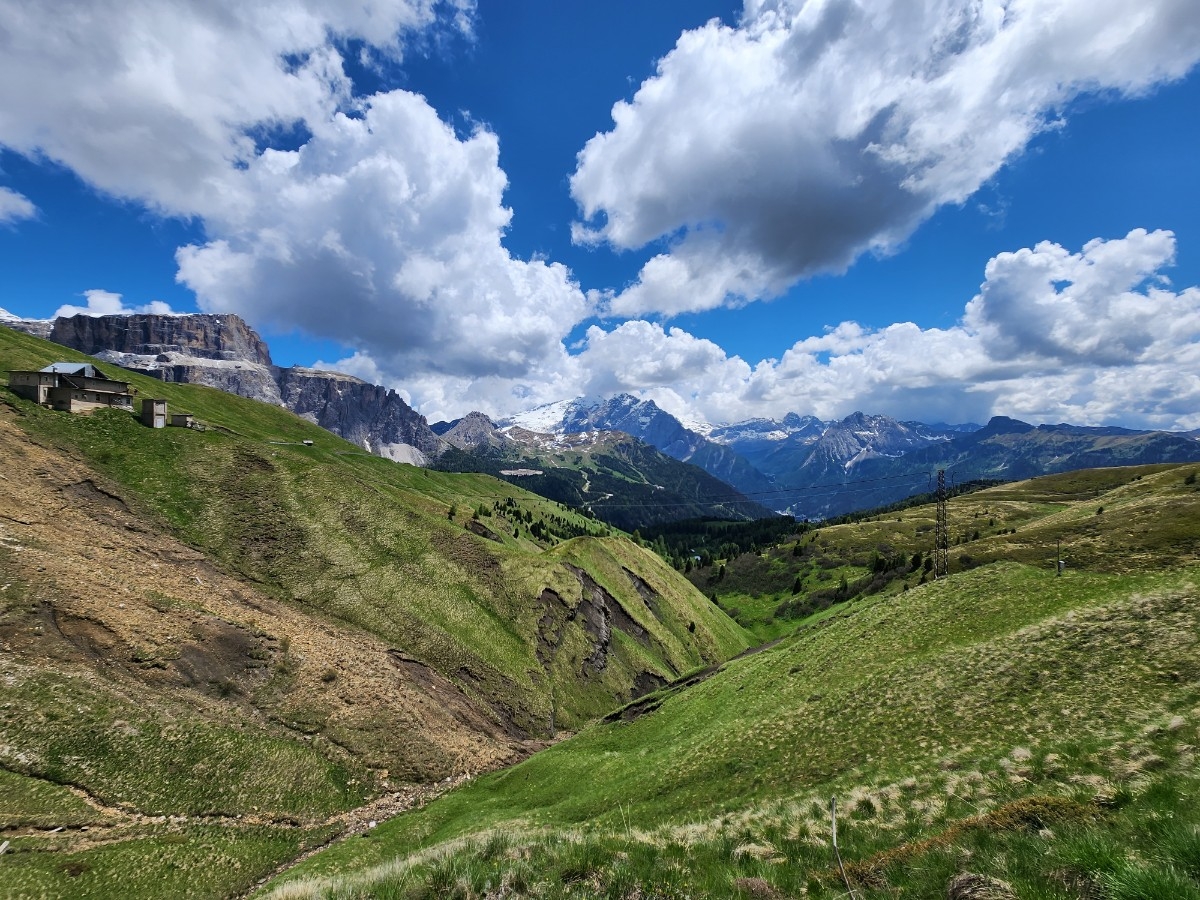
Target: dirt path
364 818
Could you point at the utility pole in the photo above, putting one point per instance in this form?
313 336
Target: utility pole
941 533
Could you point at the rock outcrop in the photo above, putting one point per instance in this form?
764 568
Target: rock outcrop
474 431
217 351
215 337
369 415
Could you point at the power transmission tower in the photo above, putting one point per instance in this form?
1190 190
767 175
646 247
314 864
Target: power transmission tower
941 533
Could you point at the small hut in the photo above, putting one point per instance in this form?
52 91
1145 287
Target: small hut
154 413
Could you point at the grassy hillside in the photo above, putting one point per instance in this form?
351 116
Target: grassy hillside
219 643
1108 520
1003 723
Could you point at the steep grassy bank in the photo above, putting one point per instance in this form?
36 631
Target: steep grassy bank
999 722
444 568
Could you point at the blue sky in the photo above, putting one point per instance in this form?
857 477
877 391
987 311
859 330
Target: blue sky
435 196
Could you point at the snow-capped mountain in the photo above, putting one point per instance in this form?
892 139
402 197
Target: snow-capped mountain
761 440
36 327
771 431
622 479
645 420
547 419
859 437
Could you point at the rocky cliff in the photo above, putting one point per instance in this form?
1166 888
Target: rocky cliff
218 351
475 431
369 415
224 337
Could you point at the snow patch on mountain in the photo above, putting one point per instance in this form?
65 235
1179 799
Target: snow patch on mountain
550 417
792 426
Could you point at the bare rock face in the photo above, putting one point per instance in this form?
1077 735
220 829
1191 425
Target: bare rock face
475 430
246 379
219 351
216 337
369 415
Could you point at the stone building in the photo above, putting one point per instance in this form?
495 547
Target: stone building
71 387
154 413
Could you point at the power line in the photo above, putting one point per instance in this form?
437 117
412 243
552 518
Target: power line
941 531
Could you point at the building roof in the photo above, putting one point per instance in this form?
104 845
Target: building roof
85 370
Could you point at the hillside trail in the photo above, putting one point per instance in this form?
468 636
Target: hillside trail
365 818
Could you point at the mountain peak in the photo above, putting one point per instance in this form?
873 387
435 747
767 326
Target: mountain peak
474 430
1003 425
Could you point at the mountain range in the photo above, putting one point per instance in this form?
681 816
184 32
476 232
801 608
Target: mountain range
809 468
625 458
620 479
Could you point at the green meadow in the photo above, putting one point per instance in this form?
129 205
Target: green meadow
1031 730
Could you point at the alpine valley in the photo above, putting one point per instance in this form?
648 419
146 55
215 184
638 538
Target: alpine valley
249 658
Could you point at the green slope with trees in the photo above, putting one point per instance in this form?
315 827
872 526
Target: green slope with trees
1031 733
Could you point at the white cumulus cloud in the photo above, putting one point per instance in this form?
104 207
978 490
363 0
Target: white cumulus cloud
1100 307
816 131
160 101
14 207
384 232
382 228
106 303
1093 337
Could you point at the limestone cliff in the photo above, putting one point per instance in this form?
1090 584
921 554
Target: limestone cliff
218 351
475 431
369 415
216 337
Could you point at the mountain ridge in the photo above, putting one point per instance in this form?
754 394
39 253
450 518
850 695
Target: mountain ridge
621 479
798 465
223 351
814 469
